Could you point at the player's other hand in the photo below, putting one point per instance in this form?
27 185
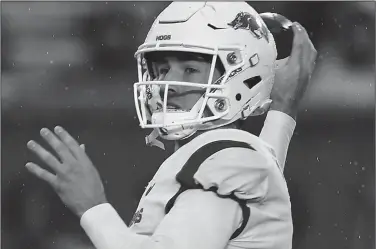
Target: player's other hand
292 79
74 177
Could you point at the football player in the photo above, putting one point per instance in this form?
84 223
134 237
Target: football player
204 67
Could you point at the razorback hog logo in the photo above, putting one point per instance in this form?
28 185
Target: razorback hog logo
244 20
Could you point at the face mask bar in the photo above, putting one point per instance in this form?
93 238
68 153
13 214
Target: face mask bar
140 88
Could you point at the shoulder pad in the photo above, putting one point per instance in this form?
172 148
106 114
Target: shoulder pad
230 167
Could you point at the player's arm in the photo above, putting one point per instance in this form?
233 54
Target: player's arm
277 132
291 82
196 221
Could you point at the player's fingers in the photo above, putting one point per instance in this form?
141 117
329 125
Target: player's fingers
41 173
305 56
297 46
60 148
313 56
310 50
82 146
69 141
309 58
46 156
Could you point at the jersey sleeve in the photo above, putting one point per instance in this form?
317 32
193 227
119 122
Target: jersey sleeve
277 132
197 221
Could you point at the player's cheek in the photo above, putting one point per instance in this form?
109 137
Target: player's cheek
193 98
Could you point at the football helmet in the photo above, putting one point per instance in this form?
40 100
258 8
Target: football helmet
232 33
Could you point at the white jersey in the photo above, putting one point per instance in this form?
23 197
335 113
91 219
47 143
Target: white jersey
252 175
234 195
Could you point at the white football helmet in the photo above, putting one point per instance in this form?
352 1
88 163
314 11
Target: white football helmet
231 32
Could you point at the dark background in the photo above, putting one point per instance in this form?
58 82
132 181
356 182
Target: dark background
71 64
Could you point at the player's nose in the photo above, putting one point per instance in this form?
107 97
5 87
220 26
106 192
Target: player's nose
172 75
172 90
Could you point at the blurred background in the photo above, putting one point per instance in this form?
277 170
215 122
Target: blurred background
71 64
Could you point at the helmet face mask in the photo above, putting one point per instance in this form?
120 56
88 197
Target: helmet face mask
244 56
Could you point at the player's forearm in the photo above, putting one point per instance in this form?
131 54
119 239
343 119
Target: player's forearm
277 132
107 230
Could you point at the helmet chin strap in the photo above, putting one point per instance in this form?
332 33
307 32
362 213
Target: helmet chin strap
151 140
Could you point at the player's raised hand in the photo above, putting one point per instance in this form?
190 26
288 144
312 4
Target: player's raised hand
292 79
74 177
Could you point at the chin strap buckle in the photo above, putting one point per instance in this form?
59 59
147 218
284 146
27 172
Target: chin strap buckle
256 109
151 140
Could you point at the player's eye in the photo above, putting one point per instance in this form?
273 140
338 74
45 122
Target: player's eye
191 70
163 70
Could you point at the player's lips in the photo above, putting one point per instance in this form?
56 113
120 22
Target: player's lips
172 106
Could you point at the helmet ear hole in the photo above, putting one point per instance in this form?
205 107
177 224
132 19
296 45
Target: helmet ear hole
251 82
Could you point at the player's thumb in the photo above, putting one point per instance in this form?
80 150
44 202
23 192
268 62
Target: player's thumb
82 146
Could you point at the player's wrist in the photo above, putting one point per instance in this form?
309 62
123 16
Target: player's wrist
287 107
88 206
